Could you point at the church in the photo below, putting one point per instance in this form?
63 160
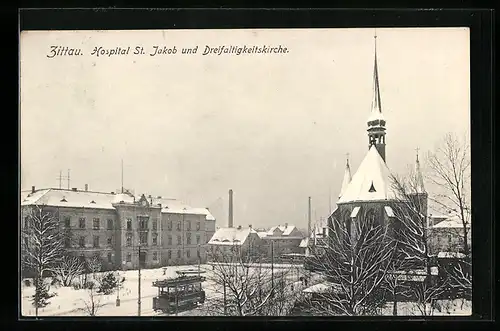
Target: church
369 194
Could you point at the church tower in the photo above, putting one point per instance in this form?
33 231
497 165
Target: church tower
376 121
418 195
347 178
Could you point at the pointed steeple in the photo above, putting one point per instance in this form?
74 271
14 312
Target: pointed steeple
418 177
376 121
376 102
347 177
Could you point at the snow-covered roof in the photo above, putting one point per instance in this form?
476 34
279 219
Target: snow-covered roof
452 221
285 230
450 255
371 182
102 200
389 212
70 198
322 288
347 179
304 243
262 234
230 236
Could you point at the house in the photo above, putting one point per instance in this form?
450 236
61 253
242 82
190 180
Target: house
282 239
447 234
228 244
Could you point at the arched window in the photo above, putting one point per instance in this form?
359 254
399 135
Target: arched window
370 218
346 218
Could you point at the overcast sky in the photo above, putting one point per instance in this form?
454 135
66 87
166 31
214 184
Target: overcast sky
275 128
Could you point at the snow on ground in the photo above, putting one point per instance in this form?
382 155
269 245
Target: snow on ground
444 308
71 302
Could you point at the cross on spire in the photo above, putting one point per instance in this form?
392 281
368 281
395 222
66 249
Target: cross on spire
417 149
347 158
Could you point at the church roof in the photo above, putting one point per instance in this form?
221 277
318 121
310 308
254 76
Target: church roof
347 178
371 182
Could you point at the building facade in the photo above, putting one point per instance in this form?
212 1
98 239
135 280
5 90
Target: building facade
447 235
282 239
124 231
233 244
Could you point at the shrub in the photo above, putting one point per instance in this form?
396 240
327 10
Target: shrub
42 295
89 285
109 283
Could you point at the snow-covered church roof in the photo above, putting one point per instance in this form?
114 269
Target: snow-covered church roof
371 182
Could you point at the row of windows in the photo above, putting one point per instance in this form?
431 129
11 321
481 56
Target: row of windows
143 238
179 239
82 222
96 241
143 223
178 227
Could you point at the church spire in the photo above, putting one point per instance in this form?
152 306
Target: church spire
347 177
376 121
376 103
419 185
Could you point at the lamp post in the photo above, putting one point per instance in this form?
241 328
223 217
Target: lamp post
139 283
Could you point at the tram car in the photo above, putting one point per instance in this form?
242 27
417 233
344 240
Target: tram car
178 294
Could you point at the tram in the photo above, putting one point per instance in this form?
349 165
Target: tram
178 294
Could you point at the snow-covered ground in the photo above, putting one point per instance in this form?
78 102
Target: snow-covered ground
71 302
443 308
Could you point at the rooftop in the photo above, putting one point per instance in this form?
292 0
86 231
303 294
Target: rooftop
371 182
231 236
103 200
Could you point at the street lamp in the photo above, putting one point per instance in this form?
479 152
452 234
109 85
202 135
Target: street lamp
139 282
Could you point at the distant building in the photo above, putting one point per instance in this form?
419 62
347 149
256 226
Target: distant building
114 225
317 239
228 244
282 239
446 234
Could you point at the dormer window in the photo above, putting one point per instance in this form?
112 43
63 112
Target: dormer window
92 201
64 199
372 189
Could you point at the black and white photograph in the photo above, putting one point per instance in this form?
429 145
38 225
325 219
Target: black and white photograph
245 172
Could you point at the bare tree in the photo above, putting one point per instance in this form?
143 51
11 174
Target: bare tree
68 269
42 247
450 171
247 288
393 284
93 301
411 233
356 260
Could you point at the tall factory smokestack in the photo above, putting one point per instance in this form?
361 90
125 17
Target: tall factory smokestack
230 220
309 218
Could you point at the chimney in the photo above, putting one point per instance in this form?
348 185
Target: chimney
86 187
230 221
239 227
33 189
74 189
250 226
309 219
286 225
324 232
